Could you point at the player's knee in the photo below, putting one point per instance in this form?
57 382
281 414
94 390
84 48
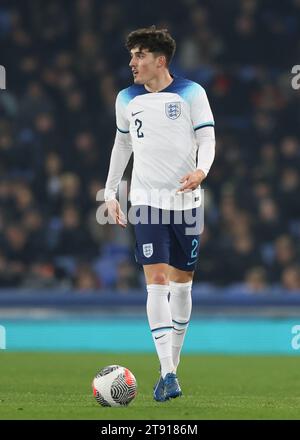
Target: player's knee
182 277
159 278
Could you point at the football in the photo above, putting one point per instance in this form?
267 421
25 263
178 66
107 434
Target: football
114 386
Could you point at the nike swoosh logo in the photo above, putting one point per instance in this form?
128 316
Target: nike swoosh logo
158 337
133 114
191 262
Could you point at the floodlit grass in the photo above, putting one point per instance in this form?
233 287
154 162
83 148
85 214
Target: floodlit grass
58 386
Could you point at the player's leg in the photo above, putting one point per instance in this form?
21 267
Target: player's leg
152 251
183 257
160 320
181 307
159 313
157 273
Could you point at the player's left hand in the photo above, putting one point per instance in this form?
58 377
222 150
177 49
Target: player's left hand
191 181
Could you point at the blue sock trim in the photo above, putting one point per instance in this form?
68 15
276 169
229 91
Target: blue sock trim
161 328
180 323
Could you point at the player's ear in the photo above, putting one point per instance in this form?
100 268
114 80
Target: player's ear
161 61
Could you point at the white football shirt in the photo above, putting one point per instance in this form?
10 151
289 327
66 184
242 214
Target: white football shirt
162 128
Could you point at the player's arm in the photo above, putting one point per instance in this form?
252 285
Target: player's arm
120 156
206 154
203 124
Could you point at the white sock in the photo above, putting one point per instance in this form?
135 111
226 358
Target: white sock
160 321
181 307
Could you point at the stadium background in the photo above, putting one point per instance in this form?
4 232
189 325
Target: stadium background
68 283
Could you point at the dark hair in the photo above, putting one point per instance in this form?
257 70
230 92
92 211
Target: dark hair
155 40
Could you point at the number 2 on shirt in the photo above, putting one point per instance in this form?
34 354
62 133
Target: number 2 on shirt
139 123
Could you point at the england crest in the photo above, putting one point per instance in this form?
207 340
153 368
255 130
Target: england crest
148 250
173 109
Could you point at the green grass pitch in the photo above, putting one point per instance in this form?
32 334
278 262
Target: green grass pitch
58 386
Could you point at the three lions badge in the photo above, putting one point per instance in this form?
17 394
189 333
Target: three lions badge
148 250
173 109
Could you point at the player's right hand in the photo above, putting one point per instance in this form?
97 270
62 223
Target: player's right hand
115 212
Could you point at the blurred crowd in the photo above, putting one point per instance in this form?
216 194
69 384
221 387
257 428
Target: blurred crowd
65 62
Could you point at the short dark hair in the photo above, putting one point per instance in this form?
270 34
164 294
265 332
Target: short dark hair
155 40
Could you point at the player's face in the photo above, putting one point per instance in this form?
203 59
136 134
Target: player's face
144 65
